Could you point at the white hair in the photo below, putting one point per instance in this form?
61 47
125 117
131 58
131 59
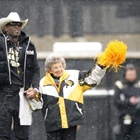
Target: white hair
52 59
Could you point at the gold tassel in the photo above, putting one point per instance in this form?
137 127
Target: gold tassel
113 56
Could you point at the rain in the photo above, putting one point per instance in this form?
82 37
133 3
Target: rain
52 21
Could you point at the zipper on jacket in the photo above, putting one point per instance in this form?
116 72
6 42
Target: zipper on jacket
7 59
46 114
79 109
25 63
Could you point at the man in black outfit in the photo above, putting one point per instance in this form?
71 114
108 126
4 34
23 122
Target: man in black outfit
127 101
18 69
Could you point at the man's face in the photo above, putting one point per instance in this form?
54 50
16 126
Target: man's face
13 29
131 75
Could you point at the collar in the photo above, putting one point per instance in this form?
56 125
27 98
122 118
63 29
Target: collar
50 81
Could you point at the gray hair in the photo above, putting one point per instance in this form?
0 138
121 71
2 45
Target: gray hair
52 59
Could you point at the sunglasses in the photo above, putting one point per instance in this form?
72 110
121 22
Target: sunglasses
19 24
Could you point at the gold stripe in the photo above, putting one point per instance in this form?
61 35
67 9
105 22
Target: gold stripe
63 115
77 93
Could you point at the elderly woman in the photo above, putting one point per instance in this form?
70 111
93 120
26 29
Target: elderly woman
62 92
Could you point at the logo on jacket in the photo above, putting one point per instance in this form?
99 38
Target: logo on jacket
30 52
13 56
69 83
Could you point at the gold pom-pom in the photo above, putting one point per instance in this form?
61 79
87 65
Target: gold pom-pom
113 56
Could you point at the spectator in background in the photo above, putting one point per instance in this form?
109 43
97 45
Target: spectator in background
19 70
127 101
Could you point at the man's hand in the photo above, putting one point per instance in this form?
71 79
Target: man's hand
134 100
30 93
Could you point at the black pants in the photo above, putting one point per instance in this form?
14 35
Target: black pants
62 134
9 115
132 131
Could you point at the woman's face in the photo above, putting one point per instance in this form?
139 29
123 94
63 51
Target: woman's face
57 69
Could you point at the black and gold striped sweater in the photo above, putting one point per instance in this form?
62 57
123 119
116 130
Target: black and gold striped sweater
63 104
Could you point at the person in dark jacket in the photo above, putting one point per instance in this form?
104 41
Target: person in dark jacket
127 101
18 69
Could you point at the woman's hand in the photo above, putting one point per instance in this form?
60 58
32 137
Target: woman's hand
30 93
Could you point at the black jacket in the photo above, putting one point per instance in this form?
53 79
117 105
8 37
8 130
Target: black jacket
63 104
29 63
123 92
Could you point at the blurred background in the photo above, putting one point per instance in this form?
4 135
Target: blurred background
52 21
